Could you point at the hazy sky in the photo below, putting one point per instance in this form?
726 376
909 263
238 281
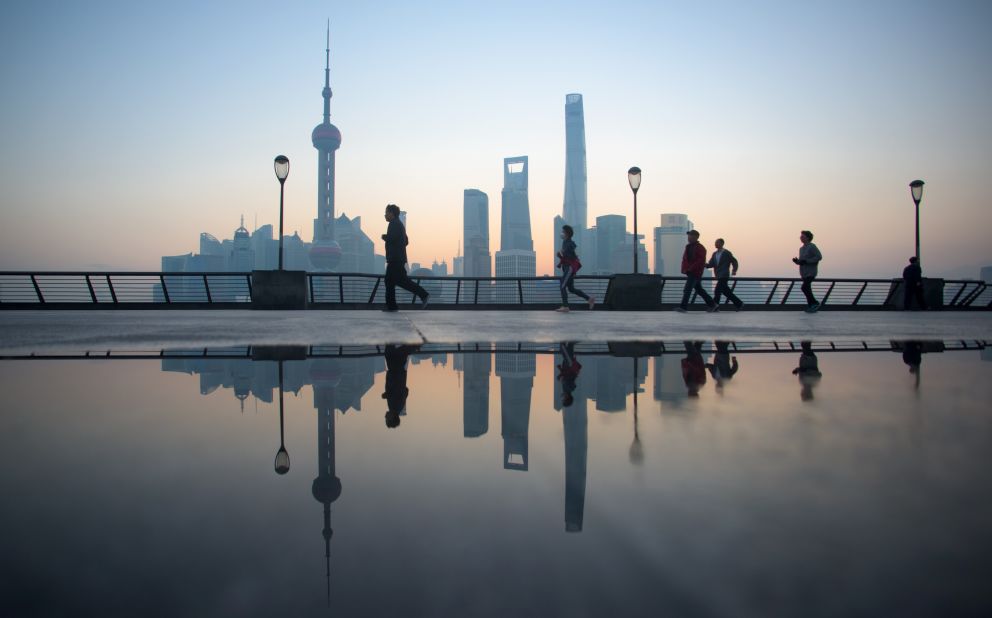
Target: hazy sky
128 128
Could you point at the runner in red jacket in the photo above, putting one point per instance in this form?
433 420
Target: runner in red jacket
693 264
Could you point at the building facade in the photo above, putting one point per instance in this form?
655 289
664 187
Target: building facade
669 244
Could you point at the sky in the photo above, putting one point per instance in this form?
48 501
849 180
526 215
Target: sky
129 128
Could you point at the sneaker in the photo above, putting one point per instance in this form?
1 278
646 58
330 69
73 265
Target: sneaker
562 309
390 310
681 310
738 306
713 309
592 302
810 309
424 301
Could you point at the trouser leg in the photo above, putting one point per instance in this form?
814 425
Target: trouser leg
807 289
391 276
701 291
563 285
689 283
410 285
724 286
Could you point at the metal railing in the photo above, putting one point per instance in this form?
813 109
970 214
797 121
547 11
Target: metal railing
68 289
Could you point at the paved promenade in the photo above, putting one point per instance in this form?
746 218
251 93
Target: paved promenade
73 331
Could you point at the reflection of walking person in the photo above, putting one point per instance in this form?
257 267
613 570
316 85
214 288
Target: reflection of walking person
568 372
693 263
808 371
809 258
396 242
722 261
396 390
723 366
693 367
568 262
912 283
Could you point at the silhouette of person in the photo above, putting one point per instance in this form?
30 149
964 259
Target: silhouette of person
568 262
723 366
808 262
912 284
396 390
693 264
693 367
724 265
912 355
568 372
808 371
396 242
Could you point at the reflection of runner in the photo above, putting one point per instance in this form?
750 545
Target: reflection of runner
396 390
693 367
723 367
568 373
808 371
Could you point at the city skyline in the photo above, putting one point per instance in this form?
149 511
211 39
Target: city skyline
754 122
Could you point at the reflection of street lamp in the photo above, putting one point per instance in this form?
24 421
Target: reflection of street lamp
634 178
282 456
636 452
282 171
916 187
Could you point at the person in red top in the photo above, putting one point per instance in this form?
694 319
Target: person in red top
693 263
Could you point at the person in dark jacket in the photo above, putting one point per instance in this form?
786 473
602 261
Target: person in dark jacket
396 390
396 242
568 262
722 261
693 367
808 260
568 372
912 283
693 264
723 366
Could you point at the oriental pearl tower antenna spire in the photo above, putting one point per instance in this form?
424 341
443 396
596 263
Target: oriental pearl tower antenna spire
325 252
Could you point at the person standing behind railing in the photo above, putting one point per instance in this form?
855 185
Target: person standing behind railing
809 258
568 262
912 283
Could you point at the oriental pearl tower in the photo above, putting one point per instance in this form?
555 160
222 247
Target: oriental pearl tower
325 252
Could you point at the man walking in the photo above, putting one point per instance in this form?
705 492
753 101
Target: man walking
721 262
809 258
912 283
396 242
693 264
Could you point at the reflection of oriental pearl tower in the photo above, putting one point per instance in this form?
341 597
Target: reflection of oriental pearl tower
326 487
325 252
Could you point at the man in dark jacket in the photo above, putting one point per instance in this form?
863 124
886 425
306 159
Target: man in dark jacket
721 262
396 389
912 283
396 242
693 263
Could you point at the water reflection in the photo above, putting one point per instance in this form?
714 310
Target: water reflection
808 371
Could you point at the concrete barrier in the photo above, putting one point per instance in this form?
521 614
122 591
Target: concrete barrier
634 292
278 289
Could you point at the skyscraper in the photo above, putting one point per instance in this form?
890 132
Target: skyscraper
325 252
669 243
475 218
516 381
515 218
576 196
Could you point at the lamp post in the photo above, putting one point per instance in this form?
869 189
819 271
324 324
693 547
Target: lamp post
281 165
282 455
916 188
634 178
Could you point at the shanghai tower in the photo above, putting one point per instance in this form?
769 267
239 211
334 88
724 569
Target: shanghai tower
576 197
325 252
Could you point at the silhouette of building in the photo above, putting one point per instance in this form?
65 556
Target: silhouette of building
575 422
326 253
986 274
516 373
475 393
475 225
669 244
515 231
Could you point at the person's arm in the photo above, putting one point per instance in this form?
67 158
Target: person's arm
814 254
394 234
711 263
733 264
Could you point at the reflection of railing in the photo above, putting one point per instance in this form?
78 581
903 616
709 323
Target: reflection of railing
355 291
623 349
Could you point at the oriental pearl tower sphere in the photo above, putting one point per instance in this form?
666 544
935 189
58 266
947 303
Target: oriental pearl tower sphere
325 252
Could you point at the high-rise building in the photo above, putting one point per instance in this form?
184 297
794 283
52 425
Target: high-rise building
475 396
576 196
515 217
325 254
611 231
516 381
669 244
475 225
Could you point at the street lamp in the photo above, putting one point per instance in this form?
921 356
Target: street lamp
916 188
634 178
282 455
281 165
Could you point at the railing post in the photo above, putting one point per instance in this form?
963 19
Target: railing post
520 290
792 284
113 293
864 286
313 298
341 288
827 295
458 290
165 290
375 288
956 296
476 300
250 293
206 288
89 284
768 301
37 290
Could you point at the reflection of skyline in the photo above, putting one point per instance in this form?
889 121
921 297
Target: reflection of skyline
516 381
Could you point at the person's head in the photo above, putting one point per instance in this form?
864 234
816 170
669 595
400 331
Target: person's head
806 236
567 232
392 212
913 260
692 236
718 244
392 419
